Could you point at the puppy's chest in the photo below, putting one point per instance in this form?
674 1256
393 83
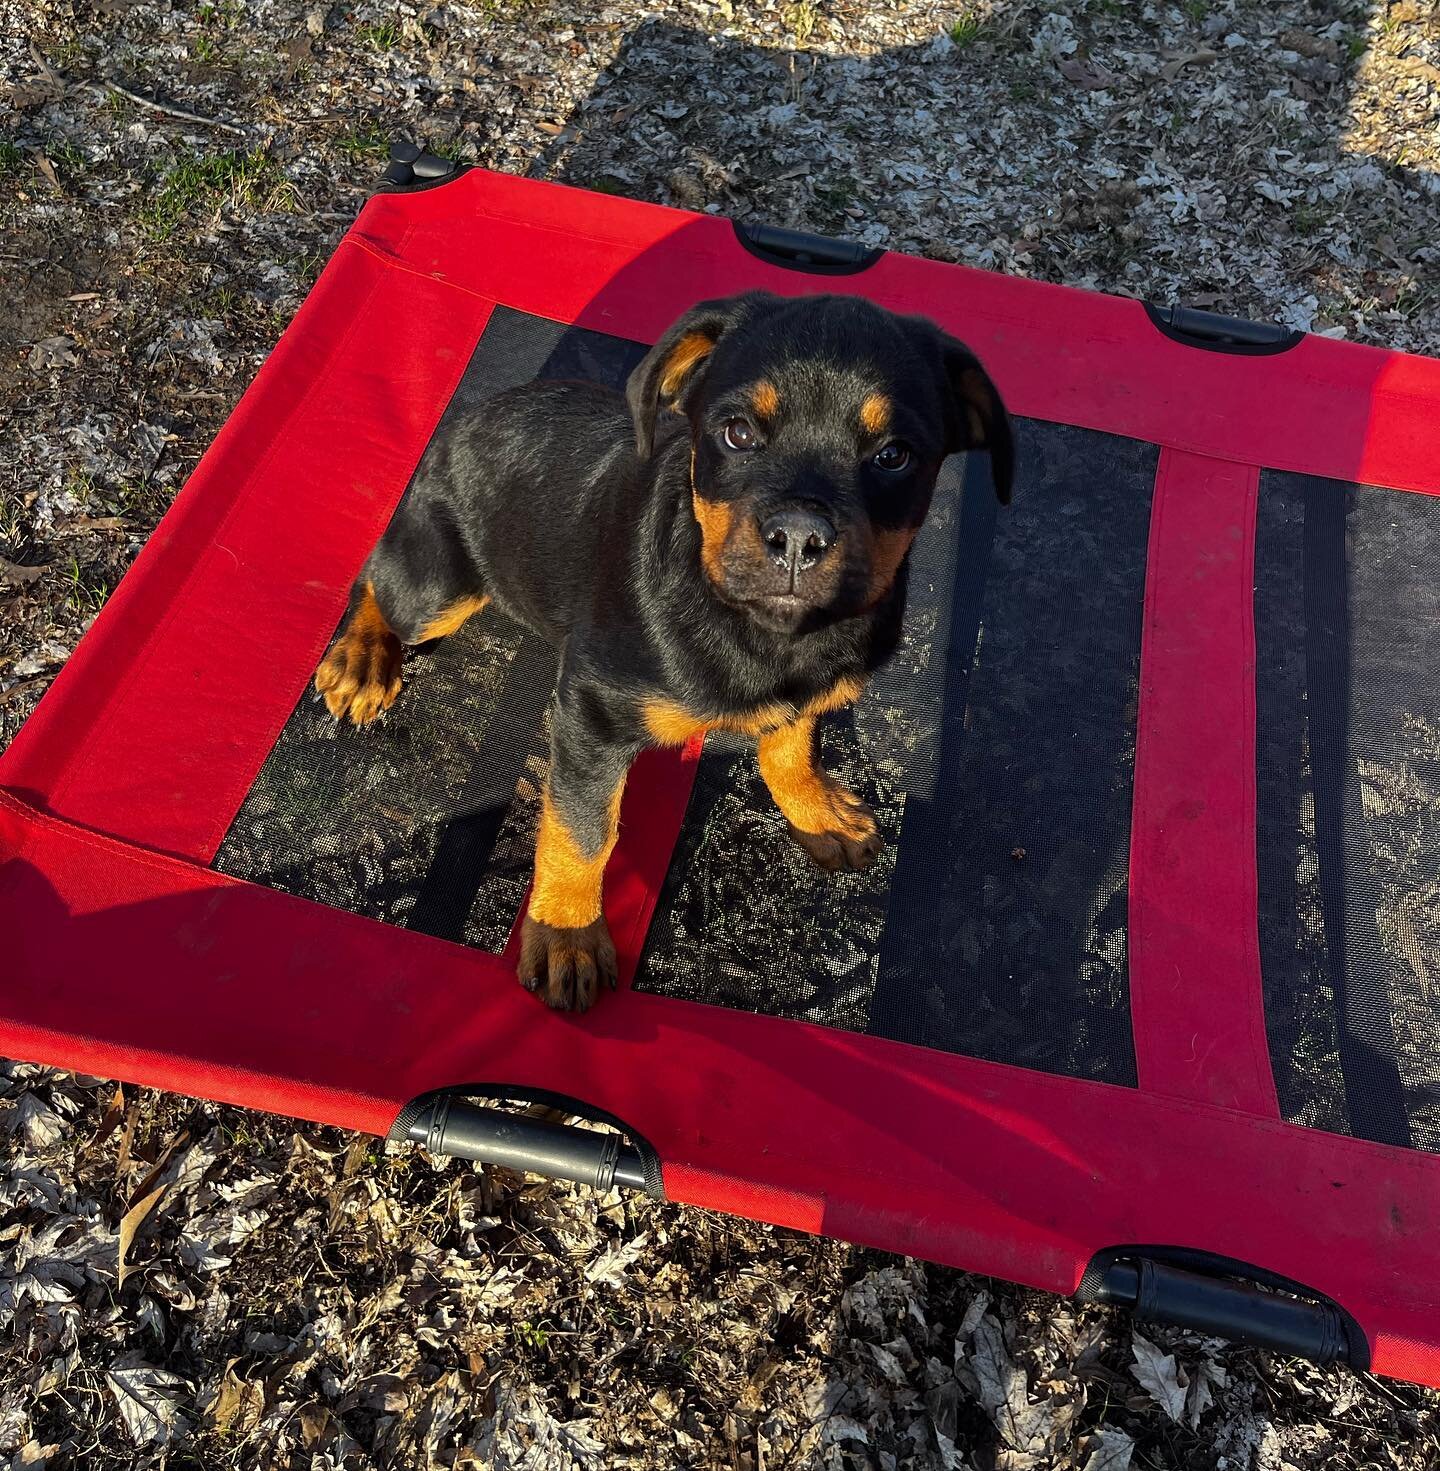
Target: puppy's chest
670 723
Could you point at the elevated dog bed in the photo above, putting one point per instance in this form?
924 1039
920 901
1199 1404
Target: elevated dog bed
1143 1000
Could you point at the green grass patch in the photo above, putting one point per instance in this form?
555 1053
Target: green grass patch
966 30
201 185
12 158
363 140
379 35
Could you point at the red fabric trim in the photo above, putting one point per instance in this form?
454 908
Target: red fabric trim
1070 356
229 991
155 728
1195 990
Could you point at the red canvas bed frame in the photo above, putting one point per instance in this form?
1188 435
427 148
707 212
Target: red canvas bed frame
127 955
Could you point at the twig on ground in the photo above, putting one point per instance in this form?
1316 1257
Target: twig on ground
168 110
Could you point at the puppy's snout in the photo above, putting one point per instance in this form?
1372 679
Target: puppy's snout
797 539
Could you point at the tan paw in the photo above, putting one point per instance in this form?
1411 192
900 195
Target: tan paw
360 677
566 968
850 840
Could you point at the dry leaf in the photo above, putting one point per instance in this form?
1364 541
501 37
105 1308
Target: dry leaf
1088 74
1024 1427
238 1404
130 1223
610 1267
48 170
115 1110
51 352
1159 1376
19 576
147 1399
1109 1450
35 1122
1177 64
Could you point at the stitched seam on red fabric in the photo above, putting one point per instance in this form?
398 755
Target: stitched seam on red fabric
240 788
1250 921
85 758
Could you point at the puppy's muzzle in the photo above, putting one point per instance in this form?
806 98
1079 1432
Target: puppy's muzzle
796 541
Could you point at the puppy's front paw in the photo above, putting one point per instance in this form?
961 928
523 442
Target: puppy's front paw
360 676
851 840
565 968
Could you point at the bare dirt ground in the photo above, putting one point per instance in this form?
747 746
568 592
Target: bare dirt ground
192 1286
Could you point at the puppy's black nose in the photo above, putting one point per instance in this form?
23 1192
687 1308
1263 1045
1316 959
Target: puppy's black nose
797 539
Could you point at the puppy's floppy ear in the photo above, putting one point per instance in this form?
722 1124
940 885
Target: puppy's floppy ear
977 417
676 363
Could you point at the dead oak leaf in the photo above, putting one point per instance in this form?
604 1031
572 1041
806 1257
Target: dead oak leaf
1159 1376
1108 1450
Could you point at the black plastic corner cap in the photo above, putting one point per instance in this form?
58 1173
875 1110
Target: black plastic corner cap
412 168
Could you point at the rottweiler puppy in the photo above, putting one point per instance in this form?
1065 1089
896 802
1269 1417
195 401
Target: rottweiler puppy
729 551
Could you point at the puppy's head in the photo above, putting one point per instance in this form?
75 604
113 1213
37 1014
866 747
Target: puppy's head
817 428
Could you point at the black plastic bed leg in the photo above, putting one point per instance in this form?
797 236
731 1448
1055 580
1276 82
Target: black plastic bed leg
1226 1308
446 1125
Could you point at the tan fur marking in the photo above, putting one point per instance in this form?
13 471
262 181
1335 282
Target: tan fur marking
566 891
875 413
360 676
765 399
447 620
670 724
693 348
887 551
810 799
715 519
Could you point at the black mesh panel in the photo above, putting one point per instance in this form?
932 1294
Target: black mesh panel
427 818
998 751
1347 632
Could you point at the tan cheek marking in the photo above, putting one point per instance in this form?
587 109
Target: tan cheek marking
449 619
765 399
802 791
566 892
686 353
887 551
875 414
715 520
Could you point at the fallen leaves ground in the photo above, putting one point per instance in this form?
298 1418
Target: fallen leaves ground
191 1286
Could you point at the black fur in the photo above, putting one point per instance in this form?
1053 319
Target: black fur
575 514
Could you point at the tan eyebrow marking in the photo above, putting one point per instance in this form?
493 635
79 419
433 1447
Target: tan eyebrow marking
875 413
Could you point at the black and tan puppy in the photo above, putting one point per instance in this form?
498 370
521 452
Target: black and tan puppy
728 552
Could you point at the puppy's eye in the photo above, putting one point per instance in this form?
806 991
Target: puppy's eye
894 458
740 434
